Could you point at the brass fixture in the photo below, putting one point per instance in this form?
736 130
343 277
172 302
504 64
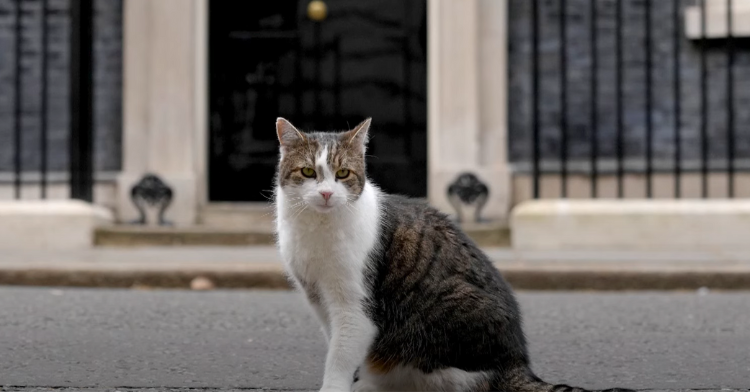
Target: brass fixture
317 10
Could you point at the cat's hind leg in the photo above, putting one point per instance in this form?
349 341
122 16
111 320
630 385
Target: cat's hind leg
407 378
365 382
398 379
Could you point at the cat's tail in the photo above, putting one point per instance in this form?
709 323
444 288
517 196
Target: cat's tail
524 380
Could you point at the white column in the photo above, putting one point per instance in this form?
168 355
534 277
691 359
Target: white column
467 129
164 128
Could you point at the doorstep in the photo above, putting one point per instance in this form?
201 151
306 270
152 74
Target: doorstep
484 234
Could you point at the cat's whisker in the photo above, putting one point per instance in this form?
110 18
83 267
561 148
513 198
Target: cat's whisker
269 198
353 207
349 207
300 211
350 200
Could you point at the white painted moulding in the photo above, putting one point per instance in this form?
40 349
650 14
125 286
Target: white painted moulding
717 26
671 225
50 224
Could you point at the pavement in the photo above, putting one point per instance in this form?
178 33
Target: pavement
178 340
12 389
260 267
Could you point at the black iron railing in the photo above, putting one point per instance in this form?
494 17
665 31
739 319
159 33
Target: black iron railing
669 60
81 98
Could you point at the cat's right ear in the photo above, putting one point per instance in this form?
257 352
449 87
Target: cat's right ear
287 132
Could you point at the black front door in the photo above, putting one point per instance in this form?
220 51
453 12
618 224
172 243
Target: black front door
268 59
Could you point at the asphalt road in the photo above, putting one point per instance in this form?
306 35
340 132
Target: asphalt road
245 340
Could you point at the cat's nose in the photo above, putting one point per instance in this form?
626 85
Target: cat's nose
326 195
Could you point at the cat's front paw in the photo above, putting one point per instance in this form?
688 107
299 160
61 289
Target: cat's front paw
364 386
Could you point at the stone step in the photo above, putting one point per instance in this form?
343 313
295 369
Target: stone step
135 236
203 235
491 234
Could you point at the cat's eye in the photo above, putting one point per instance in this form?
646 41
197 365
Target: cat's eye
308 172
343 173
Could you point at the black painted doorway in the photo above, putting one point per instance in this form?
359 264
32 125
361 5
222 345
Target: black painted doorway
367 58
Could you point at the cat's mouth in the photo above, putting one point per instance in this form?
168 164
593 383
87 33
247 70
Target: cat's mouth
324 208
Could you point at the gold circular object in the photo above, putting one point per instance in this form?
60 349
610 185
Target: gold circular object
317 10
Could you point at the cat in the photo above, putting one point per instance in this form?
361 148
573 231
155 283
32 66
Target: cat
406 300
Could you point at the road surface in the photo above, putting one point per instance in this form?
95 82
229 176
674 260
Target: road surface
130 340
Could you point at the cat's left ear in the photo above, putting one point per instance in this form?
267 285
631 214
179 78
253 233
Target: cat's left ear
358 135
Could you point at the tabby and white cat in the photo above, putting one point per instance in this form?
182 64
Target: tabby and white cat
407 301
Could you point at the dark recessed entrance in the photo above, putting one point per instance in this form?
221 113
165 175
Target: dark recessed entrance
367 58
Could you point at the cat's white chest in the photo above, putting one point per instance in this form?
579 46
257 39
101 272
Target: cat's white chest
327 248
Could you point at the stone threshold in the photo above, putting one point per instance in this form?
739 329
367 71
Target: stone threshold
485 234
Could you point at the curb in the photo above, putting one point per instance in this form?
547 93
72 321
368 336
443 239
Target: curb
609 280
255 279
272 276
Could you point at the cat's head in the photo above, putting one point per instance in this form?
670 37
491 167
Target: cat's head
323 170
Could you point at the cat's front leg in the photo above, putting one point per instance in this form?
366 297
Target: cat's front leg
352 333
312 293
325 324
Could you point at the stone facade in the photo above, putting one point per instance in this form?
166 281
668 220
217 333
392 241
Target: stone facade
579 71
108 84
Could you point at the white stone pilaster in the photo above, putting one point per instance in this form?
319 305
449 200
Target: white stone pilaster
164 87
467 128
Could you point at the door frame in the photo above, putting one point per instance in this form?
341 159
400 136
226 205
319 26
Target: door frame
467 62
